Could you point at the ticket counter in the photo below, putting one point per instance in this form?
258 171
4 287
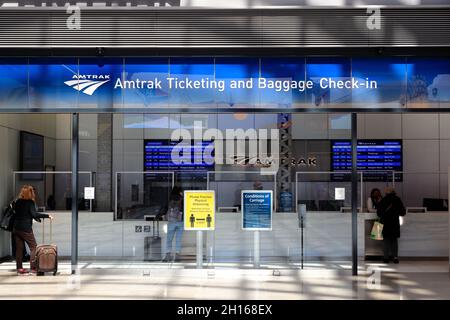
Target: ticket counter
326 236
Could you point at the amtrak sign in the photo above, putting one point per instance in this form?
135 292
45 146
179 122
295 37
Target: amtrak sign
87 83
223 83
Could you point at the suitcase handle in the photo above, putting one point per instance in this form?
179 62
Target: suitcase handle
157 227
43 230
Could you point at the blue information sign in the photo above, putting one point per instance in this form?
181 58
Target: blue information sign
257 209
222 83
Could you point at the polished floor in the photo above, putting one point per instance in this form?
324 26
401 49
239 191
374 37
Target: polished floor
330 280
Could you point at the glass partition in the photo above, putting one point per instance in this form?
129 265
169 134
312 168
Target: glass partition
229 244
140 194
325 227
326 233
54 188
54 196
424 228
191 180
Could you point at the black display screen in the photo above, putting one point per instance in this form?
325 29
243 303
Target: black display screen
31 155
375 158
168 155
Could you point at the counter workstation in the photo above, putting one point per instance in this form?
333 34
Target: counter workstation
325 235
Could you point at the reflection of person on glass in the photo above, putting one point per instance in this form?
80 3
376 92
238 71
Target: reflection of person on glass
208 220
192 220
174 216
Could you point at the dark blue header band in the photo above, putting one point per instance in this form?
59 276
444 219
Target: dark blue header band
224 84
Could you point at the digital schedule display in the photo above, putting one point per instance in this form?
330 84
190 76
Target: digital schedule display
376 158
168 155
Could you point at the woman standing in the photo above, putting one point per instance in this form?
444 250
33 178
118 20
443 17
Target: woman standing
374 200
175 225
389 210
25 209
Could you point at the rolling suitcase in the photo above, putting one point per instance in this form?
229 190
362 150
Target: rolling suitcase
46 254
152 245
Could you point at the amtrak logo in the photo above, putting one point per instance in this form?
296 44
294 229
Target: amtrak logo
247 161
87 83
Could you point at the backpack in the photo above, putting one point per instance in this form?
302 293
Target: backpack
7 221
174 213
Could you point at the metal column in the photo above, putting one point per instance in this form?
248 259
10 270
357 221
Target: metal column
284 171
354 196
199 255
256 249
74 246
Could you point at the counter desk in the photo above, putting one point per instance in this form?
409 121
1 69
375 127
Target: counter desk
325 235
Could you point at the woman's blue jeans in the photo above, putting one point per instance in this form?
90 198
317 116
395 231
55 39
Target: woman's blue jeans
174 229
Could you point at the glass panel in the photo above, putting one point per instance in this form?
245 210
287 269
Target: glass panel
55 91
142 193
229 243
424 229
54 196
180 82
238 74
14 83
151 87
285 82
329 76
97 81
428 83
390 88
196 86
326 234
58 198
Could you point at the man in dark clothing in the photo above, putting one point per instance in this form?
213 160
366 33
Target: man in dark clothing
389 210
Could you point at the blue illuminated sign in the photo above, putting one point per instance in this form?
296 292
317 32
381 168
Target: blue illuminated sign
257 209
223 82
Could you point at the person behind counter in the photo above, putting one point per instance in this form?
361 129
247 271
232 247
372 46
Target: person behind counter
257 185
374 200
389 209
25 208
174 216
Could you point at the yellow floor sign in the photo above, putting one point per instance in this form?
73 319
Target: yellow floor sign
199 210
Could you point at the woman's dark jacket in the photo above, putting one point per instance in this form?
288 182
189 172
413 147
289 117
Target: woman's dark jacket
389 210
25 213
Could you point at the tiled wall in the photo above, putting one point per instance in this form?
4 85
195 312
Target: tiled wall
426 144
426 154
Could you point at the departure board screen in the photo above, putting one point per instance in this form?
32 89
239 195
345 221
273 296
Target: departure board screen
168 155
375 158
